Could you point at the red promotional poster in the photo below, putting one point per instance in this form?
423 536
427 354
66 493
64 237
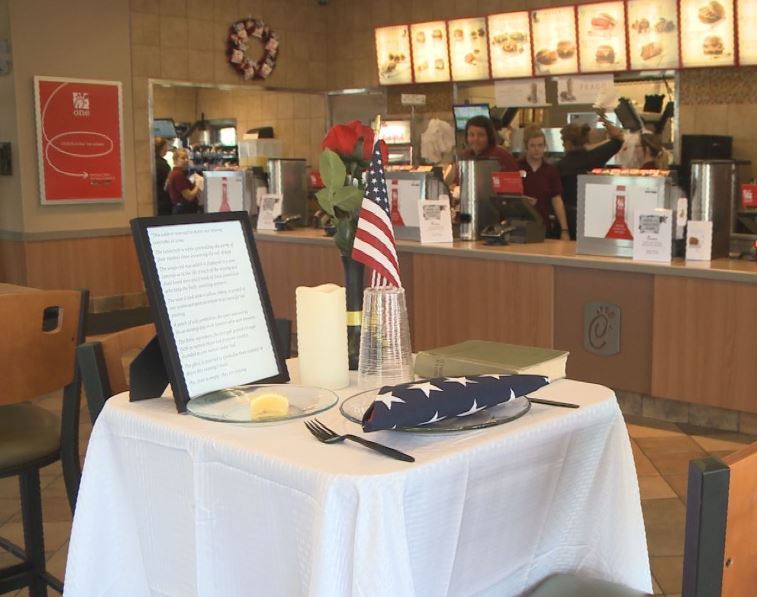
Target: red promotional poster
79 132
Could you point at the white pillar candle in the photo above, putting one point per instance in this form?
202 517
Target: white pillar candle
322 336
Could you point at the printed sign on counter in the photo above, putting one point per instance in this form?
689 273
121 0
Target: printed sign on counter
468 49
510 45
653 33
602 37
224 194
393 55
554 40
747 17
653 235
613 209
521 93
430 55
698 241
435 220
79 147
270 209
582 89
707 33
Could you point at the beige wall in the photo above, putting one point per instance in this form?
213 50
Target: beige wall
11 216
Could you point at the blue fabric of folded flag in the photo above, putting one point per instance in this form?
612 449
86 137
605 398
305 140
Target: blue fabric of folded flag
432 400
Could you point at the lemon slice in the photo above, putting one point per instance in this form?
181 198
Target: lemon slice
268 406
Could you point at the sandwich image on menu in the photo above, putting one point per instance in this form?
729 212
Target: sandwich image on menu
707 33
510 45
430 58
653 33
393 55
554 40
468 49
602 37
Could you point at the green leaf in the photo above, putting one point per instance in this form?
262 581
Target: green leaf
348 198
332 170
326 200
345 234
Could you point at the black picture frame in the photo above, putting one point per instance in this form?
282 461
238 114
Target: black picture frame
165 335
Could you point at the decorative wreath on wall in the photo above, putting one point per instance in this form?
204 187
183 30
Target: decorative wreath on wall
241 34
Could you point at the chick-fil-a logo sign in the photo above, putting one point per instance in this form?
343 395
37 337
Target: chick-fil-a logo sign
79 134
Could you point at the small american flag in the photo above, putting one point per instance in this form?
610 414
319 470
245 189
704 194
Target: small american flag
374 237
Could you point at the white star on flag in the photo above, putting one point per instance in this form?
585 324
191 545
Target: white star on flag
433 419
425 387
463 381
473 409
494 375
388 398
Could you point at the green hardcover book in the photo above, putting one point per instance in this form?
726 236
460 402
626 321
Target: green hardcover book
476 357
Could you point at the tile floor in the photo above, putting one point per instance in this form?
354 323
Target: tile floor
662 452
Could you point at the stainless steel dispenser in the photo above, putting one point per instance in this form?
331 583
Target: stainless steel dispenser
475 178
713 187
288 177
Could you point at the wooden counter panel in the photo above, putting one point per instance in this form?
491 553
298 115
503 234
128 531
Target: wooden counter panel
704 348
630 369
12 262
455 299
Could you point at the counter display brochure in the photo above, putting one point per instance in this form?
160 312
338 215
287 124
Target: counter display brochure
269 209
435 220
215 326
653 234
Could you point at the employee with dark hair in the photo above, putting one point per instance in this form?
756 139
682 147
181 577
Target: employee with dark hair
162 170
579 160
481 139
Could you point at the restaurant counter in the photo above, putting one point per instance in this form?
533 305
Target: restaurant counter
683 331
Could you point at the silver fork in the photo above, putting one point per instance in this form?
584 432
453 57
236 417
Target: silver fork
327 436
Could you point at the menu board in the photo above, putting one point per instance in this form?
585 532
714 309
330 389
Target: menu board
393 54
510 45
653 33
430 56
602 37
468 49
707 33
554 40
747 16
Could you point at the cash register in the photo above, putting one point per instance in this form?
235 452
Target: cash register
512 219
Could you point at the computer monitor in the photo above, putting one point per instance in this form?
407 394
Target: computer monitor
514 207
464 112
164 127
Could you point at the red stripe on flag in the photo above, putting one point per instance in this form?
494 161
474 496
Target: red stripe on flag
371 261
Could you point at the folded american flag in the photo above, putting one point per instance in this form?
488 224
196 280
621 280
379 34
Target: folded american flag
431 400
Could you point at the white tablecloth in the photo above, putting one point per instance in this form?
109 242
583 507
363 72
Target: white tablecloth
174 505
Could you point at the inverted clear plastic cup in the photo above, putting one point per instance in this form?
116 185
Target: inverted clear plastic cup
385 352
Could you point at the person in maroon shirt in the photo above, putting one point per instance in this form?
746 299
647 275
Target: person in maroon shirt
481 139
541 184
180 189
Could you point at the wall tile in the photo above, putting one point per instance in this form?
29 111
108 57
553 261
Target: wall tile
174 32
664 409
201 36
174 65
173 8
711 119
748 423
141 125
712 417
145 29
200 9
139 92
144 6
145 61
630 402
200 65
225 11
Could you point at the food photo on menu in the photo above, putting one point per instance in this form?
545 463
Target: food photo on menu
510 45
430 57
653 33
707 33
393 53
601 31
468 49
554 40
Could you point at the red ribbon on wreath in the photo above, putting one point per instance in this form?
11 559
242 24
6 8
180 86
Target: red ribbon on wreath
241 35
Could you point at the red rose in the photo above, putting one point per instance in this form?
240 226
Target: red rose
344 138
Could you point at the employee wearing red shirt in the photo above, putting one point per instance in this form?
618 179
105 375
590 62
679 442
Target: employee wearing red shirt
541 184
180 189
481 139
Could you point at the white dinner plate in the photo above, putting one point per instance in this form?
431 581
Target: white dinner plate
232 405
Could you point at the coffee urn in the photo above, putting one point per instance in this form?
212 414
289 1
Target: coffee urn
713 188
476 212
288 177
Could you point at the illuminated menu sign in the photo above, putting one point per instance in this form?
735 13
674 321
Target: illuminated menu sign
510 45
554 40
393 55
430 56
653 33
747 17
468 49
707 36
602 37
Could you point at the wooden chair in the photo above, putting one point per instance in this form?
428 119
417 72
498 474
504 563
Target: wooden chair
104 363
37 356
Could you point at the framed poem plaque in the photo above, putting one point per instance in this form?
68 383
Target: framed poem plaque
79 140
555 41
468 49
652 29
393 55
510 45
602 37
209 302
707 33
430 52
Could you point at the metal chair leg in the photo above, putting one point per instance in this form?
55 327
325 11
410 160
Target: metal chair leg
31 511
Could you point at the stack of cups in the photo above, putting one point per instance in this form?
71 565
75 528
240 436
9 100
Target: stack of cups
385 353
